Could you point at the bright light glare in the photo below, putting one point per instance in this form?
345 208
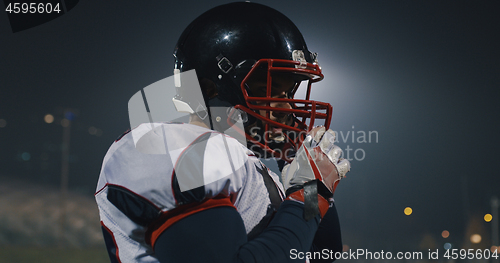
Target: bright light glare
408 211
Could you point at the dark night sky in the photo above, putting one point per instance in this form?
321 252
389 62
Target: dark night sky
423 74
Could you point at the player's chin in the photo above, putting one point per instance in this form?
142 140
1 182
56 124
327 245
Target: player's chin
278 132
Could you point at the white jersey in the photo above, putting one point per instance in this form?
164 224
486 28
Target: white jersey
191 166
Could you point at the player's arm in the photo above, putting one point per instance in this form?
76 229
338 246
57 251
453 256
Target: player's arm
328 236
312 178
218 235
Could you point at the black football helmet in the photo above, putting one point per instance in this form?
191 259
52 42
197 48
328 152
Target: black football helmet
229 44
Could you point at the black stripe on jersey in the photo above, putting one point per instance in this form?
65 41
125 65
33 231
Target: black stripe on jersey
275 199
190 165
135 207
110 242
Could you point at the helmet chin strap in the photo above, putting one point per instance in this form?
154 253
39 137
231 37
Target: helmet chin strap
210 119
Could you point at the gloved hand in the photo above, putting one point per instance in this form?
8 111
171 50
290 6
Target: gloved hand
317 158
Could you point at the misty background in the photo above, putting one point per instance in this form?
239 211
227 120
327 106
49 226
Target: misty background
420 77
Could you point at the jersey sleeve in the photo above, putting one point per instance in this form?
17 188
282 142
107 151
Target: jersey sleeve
137 189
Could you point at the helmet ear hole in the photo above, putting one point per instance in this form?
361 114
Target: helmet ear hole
209 88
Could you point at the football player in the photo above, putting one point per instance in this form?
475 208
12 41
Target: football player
207 197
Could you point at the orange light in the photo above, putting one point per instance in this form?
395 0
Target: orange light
445 234
345 248
476 238
488 217
48 118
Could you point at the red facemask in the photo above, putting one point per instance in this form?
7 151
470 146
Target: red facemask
303 111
